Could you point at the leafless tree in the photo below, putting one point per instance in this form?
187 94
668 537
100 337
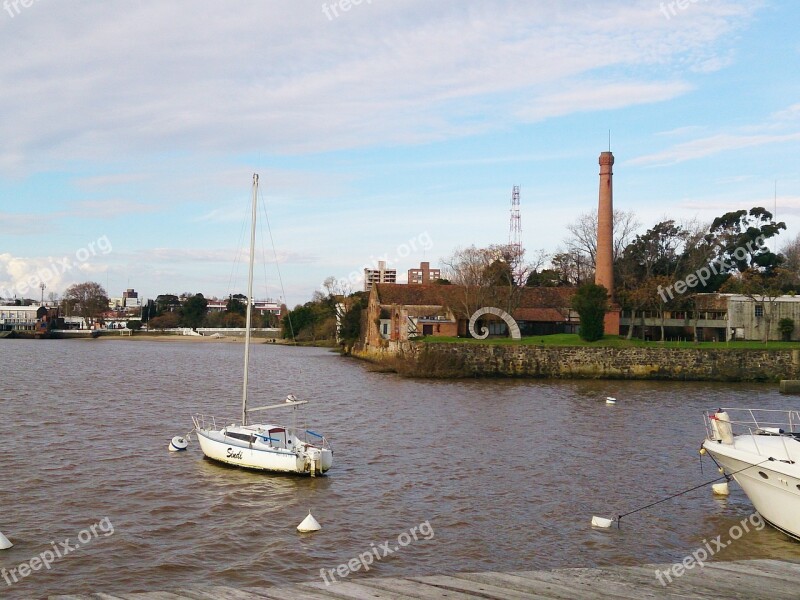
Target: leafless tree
492 276
87 300
340 293
583 235
791 251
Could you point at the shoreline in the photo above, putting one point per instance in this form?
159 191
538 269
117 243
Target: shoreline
195 339
459 361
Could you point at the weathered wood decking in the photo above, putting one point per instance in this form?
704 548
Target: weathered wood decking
771 579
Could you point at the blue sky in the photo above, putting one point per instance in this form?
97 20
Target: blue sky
396 129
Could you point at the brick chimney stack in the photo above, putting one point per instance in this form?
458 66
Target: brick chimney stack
604 267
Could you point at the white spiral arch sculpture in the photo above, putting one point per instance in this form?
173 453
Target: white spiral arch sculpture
513 328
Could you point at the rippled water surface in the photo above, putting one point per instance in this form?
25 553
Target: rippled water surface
507 473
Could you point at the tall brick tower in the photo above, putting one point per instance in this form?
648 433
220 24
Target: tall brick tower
604 261
604 267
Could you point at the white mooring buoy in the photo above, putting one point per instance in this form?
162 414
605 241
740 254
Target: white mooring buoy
4 543
601 522
309 524
721 489
178 444
610 400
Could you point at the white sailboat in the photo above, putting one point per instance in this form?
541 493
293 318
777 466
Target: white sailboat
265 446
760 449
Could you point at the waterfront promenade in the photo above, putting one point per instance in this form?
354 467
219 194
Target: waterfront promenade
736 579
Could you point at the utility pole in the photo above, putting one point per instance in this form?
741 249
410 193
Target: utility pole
515 236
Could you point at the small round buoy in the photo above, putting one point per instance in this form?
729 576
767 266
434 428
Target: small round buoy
610 400
601 522
702 451
309 524
721 489
4 543
178 444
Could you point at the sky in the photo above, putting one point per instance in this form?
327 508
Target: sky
380 129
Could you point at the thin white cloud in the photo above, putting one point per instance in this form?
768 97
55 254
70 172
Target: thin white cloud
590 96
710 146
682 131
114 179
25 223
107 209
218 255
791 113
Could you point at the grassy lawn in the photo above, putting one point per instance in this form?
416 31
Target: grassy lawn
572 339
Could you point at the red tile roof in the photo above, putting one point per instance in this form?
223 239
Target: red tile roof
533 303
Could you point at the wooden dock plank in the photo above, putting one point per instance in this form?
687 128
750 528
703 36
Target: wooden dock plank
350 590
413 589
295 591
480 590
554 585
215 592
723 580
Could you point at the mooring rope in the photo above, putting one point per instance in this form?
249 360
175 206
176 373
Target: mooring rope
726 477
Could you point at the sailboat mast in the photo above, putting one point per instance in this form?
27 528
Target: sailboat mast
248 318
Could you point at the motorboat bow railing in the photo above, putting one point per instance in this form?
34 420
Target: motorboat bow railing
727 423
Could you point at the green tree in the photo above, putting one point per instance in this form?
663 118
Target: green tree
233 320
498 274
350 323
786 327
194 311
166 303
149 311
591 303
169 320
544 278
237 304
740 237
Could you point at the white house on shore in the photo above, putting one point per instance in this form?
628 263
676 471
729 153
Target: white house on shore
25 318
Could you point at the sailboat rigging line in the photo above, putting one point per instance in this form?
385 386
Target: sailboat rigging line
697 487
237 257
278 268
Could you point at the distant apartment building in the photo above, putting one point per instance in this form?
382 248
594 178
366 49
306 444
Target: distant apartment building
423 275
379 275
130 298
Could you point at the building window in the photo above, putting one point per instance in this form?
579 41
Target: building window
759 310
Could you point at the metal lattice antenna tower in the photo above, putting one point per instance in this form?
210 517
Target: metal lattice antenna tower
515 233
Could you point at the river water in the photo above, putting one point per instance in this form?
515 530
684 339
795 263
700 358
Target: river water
494 474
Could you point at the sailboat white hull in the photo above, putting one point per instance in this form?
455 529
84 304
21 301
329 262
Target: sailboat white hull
308 460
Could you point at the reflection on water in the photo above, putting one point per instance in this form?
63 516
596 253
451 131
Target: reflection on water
508 473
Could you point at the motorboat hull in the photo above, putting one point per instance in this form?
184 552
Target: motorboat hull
773 486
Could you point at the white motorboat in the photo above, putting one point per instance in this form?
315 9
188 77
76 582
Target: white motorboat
262 446
760 449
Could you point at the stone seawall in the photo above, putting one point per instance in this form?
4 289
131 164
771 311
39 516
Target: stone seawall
581 362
